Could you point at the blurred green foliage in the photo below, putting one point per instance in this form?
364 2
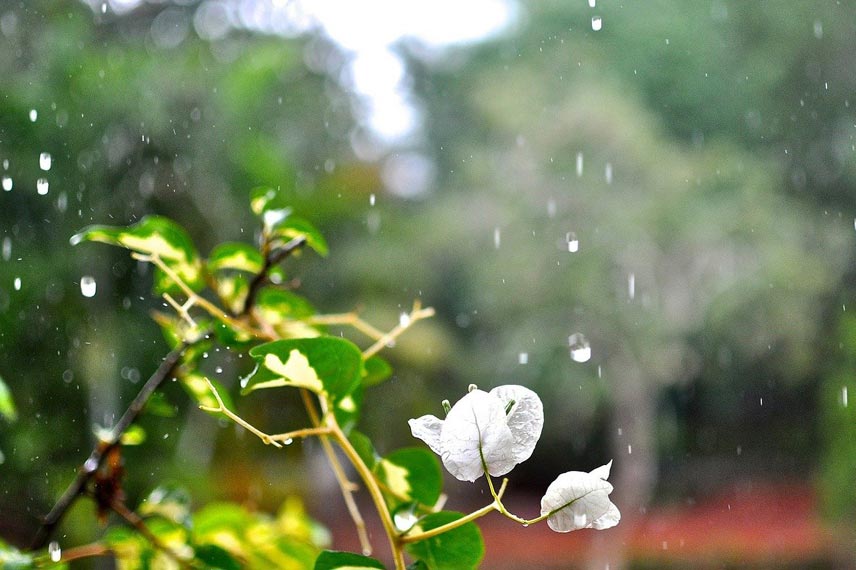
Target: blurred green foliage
714 212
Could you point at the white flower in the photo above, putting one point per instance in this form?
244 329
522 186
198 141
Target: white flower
478 434
578 500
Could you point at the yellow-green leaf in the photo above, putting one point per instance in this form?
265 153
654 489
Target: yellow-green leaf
235 255
7 405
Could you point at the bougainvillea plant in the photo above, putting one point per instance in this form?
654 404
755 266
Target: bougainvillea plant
236 297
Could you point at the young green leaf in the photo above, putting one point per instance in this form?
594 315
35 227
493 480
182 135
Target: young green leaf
411 474
292 227
264 198
324 365
232 290
332 560
7 405
375 371
235 255
363 445
459 549
153 235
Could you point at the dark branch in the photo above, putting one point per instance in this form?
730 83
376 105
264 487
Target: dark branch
271 260
86 471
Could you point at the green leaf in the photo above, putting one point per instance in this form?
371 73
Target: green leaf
7 405
216 518
235 255
364 448
132 551
232 290
13 559
153 235
347 408
332 560
324 365
134 435
375 371
412 473
418 565
216 558
195 385
168 501
276 305
265 198
292 227
159 405
459 549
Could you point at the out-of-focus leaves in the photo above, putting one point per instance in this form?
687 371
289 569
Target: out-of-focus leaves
13 559
292 227
216 558
235 255
232 290
169 501
375 371
332 560
364 448
154 235
7 405
194 383
159 405
459 549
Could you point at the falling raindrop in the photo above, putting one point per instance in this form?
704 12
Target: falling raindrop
7 248
371 199
573 242
596 23
288 441
592 3
579 347
403 320
104 7
404 520
607 173
629 450
45 161
54 551
579 164
844 396
17 283
33 115
631 286
42 186
551 209
523 358
818 29
7 183
497 238
62 202
88 286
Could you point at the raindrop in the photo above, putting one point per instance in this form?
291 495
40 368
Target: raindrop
818 29
404 520
33 115
54 551
523 358
844 401
592 3
371 199
288 441
17 284
579 164
472 387
42 186
551 210
596 23
573 242
90 465
579 347
404 320
5 164
7 183
497 238
631 286
62 202
629 450
88 286
526 525
104 7
45 160
7 248
607 173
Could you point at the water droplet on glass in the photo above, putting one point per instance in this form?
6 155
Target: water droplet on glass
579 164
7 183
631 286
607 173
88 286
33 115
497 238
596 23
844 396
523 358
17 284
371 199
45 161
579 348
54 551
7 248
42 186
573 242
818 29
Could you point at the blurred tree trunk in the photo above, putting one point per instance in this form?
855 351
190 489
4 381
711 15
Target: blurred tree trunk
634 468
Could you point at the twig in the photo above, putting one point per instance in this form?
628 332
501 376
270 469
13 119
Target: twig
86 471
86 551
350 319
416 314
137 522
271 260
221 408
